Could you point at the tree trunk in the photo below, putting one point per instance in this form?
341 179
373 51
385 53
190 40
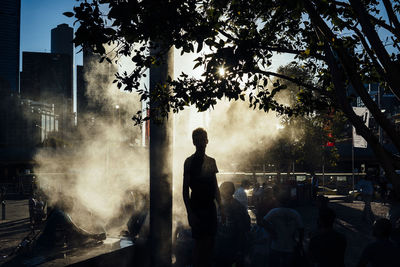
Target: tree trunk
383 156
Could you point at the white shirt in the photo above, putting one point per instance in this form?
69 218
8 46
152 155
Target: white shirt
285 222
241 196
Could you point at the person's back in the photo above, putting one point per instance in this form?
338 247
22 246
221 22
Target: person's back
231 235
285 227
284 223
327 247
382 252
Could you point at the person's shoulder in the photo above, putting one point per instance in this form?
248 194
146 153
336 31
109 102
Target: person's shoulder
237 205
272 212
188 159
291 211
208 158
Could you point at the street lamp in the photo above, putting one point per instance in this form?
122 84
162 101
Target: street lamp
119 117
43 129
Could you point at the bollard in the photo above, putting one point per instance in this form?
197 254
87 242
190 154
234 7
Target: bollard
3 210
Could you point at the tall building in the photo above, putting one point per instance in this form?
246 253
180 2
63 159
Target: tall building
82 101
9 46
46 78
61 40
61 43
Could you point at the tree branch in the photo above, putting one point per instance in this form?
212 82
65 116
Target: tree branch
374 20
350 68
392 16
376 44
294 80
382 154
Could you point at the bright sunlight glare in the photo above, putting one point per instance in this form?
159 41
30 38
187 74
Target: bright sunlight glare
221 71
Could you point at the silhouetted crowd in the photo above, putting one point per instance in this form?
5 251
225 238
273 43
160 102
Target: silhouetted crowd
277 237
221 233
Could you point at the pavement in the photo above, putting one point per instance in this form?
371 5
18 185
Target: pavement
15 227
349 222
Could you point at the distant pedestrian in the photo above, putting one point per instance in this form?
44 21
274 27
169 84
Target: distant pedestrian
240 194
382 252
200 176
327 247
366 188
286 229
314 186
231 236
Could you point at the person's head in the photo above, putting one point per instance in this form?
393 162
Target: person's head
199 137
326 217
227 189
245 184
382 228
282 195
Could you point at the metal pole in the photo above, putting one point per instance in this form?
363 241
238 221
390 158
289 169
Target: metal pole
161 171
352 157
323 170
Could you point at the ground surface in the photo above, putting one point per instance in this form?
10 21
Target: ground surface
15 227
349 222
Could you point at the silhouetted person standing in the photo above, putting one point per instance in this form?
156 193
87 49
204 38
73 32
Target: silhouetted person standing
382 252
327 247
200 176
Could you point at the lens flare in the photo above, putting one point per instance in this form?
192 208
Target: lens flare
221 71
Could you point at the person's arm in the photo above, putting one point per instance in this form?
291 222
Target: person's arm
218 194
218 199
185 189
268 225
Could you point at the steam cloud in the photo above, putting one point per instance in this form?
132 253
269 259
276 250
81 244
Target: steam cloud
95 178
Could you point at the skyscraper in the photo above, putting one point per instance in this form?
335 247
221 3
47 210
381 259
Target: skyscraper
9 46
46 77
61 40
61 43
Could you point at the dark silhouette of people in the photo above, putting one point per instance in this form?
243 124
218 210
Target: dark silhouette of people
286 230
382 252
241 195
327 247
200 176
266 203
366 188
231 236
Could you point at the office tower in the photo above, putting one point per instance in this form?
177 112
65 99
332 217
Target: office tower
61 43
9 46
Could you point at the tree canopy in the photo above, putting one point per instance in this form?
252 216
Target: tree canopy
342 44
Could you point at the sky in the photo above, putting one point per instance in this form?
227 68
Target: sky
38 17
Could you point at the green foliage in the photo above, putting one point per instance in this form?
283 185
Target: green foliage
335 42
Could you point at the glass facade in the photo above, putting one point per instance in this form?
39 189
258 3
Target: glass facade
9 45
